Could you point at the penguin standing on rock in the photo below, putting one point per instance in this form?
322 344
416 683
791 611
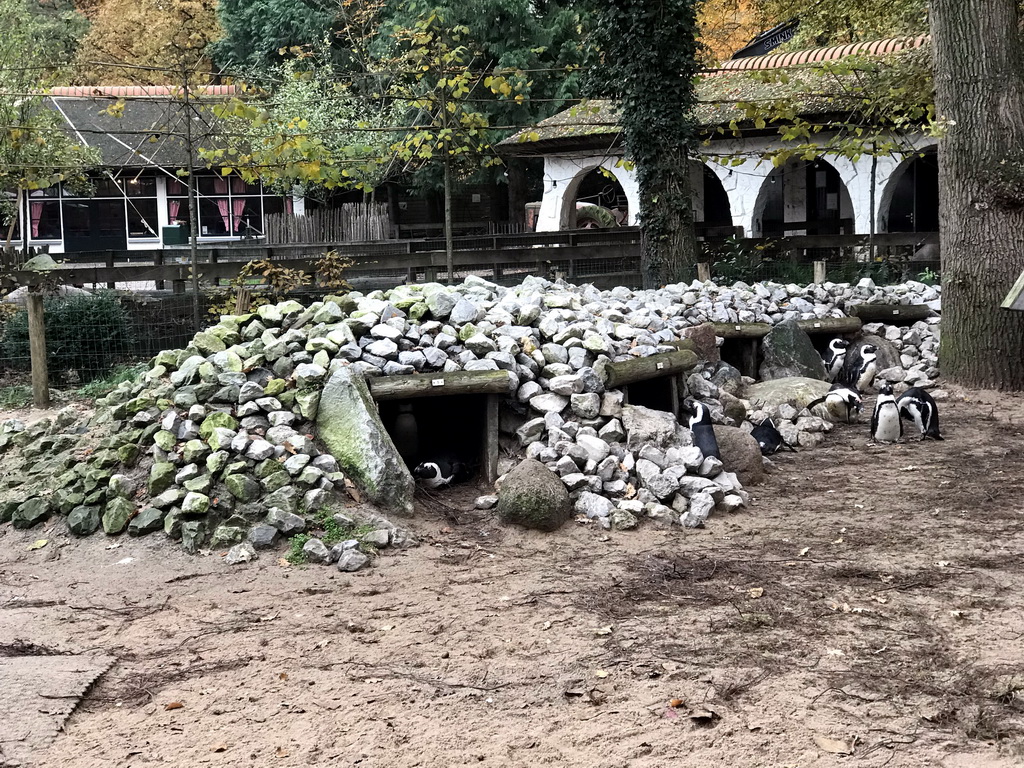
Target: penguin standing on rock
918 406
769 439
835 357
859 367
886 424
841 402
701 426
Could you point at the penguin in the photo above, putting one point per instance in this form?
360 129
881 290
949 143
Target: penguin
769 439
918 406
443 471
835 357
886 424
702 428
859 367
841 401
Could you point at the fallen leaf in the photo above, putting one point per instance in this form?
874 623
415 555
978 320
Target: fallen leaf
604 630
838 541
704 716
835 746
219 748
835 652
600 673
804 551
353 491
282 752
880 599
283 563
173 705
756 592
38 543
676 703
957 614
546 625
283 676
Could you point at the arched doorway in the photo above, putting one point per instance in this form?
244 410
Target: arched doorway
712 210
803 198
911 200
599 202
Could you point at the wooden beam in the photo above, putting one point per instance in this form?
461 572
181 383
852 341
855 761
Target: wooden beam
37 350
439 385
833 325
490 440
902 314
643 368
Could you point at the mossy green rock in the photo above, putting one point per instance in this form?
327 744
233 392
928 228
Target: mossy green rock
193 451
242 487
274 387
216 461
226 535
161 476
217 419
165 440
31 512
149 519
276 480
350 427
128 454
209 343
193 535
84 521
116 515
534 497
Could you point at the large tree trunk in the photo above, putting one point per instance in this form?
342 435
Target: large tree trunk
666 211
979 66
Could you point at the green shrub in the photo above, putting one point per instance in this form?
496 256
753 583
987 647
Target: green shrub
87 334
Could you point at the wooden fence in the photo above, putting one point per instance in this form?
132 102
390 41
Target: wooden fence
352 222
605 258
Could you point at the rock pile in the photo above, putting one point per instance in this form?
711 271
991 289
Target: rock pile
216 445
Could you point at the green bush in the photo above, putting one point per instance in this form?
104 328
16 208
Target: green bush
87 334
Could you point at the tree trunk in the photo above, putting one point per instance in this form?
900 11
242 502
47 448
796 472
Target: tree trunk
979 66
666 212
449 243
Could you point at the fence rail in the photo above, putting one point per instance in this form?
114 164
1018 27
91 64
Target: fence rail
603 257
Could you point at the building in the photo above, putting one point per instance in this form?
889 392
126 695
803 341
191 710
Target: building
582 150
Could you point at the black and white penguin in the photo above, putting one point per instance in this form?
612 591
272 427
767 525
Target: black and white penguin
886 424
703 429
918 406
859 367
841 401
835 357
769 439
441 472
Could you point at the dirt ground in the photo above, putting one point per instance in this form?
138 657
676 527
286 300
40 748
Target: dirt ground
871 600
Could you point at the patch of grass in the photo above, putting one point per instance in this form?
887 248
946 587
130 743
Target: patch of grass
103 386
295 554
15 396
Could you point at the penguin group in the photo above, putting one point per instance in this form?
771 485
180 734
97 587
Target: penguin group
852 370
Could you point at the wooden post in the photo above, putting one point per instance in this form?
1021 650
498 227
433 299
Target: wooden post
110 265
704 272
158 261
37 350
673 388
819 272
490 441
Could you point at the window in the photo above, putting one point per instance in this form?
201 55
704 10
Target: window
44 218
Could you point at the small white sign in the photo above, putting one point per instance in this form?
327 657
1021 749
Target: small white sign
660 366
437 382
895 311
738 327
817 325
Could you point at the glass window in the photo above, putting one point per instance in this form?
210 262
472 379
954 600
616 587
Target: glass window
214 216
44 217
142 219
141 186
177 210
76 218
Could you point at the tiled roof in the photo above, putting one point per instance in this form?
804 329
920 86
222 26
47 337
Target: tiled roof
818 55
594 124
129 91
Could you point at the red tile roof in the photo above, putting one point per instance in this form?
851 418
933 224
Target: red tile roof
129 91
817 55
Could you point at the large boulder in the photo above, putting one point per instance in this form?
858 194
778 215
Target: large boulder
349 426
740 454
797 391
787 351
646 426
533 496
888 355
705 342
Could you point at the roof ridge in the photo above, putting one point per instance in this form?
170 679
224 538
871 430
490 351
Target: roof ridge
829 53
117 91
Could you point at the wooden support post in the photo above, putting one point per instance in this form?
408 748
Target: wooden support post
490 441
673 388
751 347
819 272
158 261
704 272
110 265
37 350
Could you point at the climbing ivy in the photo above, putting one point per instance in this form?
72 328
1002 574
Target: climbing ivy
650 60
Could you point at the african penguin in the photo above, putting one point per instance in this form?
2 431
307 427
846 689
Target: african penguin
702 428
841 401
769 439
918 406
860 366
835 357
886 424
442 471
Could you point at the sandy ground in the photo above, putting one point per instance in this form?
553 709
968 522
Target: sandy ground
870 601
